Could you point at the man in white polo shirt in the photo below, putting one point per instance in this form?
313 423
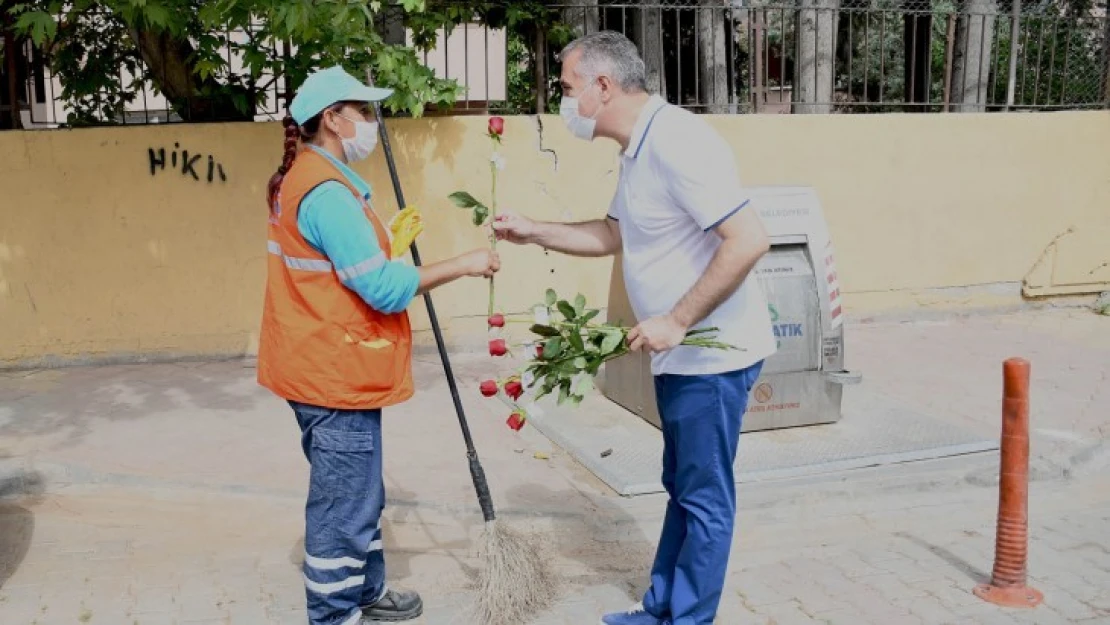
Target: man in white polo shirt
689 240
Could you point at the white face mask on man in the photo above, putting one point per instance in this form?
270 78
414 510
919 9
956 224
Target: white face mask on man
579 125
360 146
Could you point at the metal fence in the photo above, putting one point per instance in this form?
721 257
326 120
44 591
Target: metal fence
713 56
127 95
817 56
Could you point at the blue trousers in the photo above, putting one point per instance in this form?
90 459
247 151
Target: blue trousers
344 567
701 417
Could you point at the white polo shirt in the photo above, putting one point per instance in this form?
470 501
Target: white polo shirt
678 181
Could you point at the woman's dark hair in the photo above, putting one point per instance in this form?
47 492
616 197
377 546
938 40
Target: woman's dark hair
305 133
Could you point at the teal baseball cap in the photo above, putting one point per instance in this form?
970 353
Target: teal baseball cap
325 87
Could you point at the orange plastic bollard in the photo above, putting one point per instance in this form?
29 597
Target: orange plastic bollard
1008 580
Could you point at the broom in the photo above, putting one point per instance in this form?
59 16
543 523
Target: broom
515 581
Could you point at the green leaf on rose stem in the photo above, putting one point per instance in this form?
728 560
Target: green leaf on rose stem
552 348
613 339
589 314
543 330
575 400
481 213
579 304
582 384
566 368
580 363
550 297
593 365
566 310
462 199
564 393
576 340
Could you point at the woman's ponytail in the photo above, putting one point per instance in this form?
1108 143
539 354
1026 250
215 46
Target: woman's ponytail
292 134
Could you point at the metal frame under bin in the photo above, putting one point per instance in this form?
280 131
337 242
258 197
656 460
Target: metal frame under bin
802 383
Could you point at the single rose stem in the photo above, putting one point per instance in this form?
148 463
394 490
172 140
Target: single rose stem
492 218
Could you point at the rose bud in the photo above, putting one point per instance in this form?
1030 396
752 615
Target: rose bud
516 421
496 321
496 126
539 351
497 347
488 388
514 389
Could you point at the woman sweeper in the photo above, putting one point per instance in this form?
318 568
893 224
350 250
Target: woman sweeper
336 341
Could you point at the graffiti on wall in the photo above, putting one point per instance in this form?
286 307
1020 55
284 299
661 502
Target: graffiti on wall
187 163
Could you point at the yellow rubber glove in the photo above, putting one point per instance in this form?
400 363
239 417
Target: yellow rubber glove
405 227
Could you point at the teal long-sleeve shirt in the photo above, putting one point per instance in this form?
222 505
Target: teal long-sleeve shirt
333 221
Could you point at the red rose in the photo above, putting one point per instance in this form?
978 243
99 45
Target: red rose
497 347
539 351
514 389
516 421
496 126
497 321
488 388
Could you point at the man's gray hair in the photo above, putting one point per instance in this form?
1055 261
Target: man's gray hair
610 53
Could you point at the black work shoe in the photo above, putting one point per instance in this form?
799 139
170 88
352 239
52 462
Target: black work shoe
394 606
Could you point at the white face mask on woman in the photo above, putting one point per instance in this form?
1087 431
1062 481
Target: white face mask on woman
361 145
579 125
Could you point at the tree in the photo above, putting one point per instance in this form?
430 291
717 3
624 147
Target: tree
816 54
712 41
184 49
971 55
647 32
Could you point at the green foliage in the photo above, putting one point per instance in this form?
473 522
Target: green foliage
88 42
1059 61
522 19
574 348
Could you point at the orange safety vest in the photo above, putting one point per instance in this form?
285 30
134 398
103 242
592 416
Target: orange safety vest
321 344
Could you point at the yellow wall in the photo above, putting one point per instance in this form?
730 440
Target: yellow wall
100 257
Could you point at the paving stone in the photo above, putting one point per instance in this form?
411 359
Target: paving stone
949 595
1065 603
755 593
853 566
928 609
789 613
1041 615
246 612
156 599
843 617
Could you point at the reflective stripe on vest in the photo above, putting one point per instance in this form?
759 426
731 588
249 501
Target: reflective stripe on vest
304 264
370 264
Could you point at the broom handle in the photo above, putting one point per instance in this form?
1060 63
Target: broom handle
477 474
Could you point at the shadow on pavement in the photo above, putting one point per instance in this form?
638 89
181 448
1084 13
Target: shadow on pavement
974 574
70 400
399 509
17 522
597 533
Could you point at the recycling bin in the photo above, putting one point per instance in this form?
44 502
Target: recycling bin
802 383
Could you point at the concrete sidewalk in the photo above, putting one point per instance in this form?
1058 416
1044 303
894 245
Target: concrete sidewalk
173 494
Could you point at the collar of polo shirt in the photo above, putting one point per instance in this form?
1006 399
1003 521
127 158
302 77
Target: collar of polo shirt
643 125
